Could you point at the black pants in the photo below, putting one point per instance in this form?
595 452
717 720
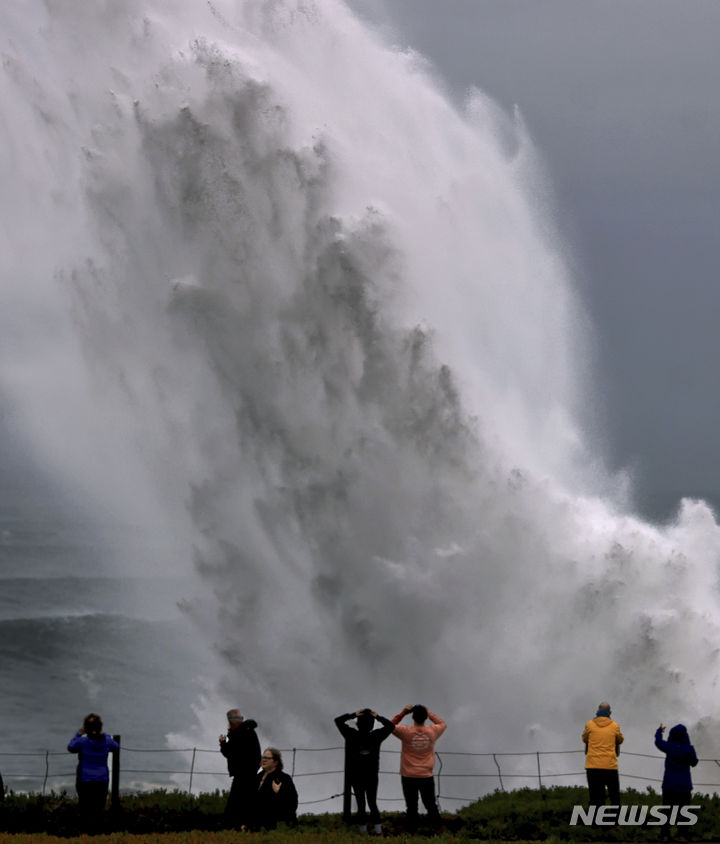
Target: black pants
600 779
676 798
425 788
238 809
365 786
92 796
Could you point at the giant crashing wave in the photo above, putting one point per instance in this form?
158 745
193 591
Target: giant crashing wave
272 296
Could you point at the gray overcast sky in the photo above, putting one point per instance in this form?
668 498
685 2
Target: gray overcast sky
621 97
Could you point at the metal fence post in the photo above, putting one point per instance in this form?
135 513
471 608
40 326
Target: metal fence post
347 796
440 766
497 765
115 782
192 769
47 770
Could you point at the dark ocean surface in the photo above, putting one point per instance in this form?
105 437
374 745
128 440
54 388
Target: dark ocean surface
75 639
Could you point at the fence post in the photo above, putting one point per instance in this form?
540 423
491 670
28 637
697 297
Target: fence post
497 765
347 795
115 782
47 770
440 766
537 754
192 769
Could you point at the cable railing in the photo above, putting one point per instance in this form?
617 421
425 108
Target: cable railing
461 776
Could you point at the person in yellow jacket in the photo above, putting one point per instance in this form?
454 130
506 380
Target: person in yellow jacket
602 738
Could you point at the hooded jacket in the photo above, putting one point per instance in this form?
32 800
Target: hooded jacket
93 753
680 756
242 750
602 739
363 747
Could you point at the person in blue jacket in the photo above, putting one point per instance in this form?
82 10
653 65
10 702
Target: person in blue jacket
92 746
680 756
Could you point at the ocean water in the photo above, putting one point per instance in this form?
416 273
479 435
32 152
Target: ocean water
292 347
74 640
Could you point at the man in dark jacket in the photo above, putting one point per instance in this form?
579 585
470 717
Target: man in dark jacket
362 759
241 748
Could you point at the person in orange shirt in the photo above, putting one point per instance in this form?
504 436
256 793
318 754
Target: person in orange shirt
602 738
417 759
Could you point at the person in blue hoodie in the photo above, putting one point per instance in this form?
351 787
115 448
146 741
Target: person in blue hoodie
680 756
92 746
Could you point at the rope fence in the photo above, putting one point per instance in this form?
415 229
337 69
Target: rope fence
461 776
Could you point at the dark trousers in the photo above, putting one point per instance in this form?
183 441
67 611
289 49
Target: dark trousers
92 796
365 786
600 779
238 807
425 788
676 798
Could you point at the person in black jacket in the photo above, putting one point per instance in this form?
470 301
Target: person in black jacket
241 748
362 759
276 798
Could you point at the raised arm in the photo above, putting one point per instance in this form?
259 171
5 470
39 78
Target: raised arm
437 722
341 724
76 742
396 719
386 729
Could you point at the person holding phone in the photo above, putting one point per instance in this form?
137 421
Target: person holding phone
240 746
92 746
680 756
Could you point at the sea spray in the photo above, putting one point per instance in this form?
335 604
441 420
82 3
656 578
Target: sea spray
270 296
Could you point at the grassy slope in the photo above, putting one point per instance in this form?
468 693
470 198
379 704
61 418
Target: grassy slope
165 817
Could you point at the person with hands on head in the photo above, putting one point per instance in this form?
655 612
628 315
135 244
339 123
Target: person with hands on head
417 759
362 760
92 746
680 756
276 796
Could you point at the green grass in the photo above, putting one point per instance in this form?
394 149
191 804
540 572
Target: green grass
173 817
